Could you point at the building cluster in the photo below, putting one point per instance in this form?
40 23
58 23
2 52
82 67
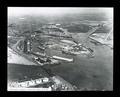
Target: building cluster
54 30
54 83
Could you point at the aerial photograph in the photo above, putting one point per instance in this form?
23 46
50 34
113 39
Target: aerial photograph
59 49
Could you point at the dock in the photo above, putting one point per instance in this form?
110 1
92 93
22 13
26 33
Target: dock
62 58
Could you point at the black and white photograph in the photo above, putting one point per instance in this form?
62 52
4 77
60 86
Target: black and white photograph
60 48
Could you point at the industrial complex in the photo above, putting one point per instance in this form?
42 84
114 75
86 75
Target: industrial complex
58 56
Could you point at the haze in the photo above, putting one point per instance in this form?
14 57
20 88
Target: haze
52 11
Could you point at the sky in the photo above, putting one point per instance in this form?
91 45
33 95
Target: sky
19 11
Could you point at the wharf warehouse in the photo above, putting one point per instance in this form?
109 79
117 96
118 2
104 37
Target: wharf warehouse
27 46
